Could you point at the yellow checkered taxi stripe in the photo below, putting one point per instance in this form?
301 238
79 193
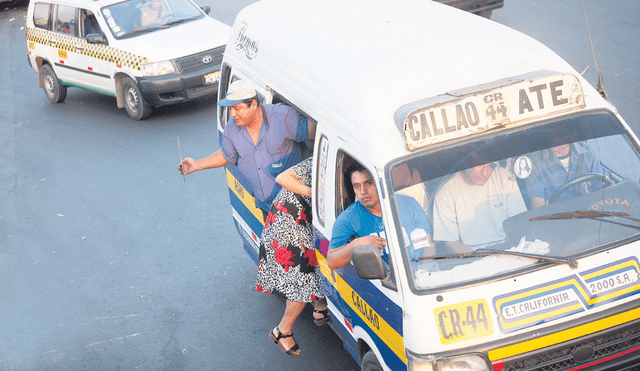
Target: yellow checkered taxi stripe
69 42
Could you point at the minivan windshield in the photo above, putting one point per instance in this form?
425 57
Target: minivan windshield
134 17
543 193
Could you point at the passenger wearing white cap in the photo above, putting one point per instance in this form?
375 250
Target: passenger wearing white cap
260 140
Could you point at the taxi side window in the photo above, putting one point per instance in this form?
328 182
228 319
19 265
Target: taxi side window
41 15
89 23
65 20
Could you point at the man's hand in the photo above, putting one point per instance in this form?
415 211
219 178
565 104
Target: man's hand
338 258
378 242
187 166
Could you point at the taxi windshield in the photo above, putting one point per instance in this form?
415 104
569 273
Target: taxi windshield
542 193
134 17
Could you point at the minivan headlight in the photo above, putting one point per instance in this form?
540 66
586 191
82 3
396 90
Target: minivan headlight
461 363
158 68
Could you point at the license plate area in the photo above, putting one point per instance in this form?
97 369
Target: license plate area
211 78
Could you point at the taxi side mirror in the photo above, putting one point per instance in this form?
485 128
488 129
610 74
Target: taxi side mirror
96 38
206 9
368 263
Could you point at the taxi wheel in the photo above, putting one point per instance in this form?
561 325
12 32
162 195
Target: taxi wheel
134 104
370 362
53 88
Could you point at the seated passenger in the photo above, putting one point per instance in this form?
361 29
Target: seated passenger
551 168
470 207
363 219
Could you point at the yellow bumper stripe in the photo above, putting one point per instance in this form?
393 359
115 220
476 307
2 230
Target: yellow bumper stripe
566 335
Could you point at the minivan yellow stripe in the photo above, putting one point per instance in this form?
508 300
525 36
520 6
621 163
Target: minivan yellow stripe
566 335
244 196
389 336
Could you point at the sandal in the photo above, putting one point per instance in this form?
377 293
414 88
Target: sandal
291 351
325 316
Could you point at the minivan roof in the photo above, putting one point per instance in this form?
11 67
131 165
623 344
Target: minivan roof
353 64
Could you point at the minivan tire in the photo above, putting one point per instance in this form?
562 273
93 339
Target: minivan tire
53 88
370 362
133 101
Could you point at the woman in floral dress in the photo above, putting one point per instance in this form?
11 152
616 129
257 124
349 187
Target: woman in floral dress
288 265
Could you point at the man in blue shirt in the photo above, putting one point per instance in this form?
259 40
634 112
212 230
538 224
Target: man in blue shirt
363 220
261 140
555 166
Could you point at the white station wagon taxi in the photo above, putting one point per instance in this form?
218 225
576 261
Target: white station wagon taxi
529 178
146 53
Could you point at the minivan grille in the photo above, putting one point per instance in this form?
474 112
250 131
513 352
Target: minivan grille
196 62
608 344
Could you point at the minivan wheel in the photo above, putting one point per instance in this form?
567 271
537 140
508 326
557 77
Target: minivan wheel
53 88
134 104
370 362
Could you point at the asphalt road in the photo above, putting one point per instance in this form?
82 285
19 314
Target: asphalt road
108 260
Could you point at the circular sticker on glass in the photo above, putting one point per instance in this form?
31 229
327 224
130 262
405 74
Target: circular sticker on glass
522 167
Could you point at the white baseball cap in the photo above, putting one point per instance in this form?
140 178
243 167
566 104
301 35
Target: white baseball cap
238 91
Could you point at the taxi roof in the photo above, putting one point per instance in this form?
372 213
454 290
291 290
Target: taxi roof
352 66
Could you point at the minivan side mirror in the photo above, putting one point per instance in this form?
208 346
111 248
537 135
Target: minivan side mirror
96 38
206 8
368 263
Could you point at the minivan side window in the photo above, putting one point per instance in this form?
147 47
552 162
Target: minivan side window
321 175
41 15
345 195
65 20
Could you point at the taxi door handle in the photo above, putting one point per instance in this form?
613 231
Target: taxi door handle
79 48
52 42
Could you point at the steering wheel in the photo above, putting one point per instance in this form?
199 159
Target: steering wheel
582 178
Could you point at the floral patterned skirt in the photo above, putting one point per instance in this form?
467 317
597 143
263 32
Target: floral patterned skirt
288 265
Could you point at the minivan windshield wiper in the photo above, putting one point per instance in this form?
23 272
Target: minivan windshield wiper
141 30
591 214
487 252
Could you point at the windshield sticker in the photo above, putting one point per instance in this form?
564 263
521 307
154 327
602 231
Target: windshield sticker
244 42
489 109
522 167
463 321
567 296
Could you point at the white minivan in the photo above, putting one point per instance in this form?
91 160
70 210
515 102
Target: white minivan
146 53
422 95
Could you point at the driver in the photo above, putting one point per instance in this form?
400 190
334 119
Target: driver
558 165
151 12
